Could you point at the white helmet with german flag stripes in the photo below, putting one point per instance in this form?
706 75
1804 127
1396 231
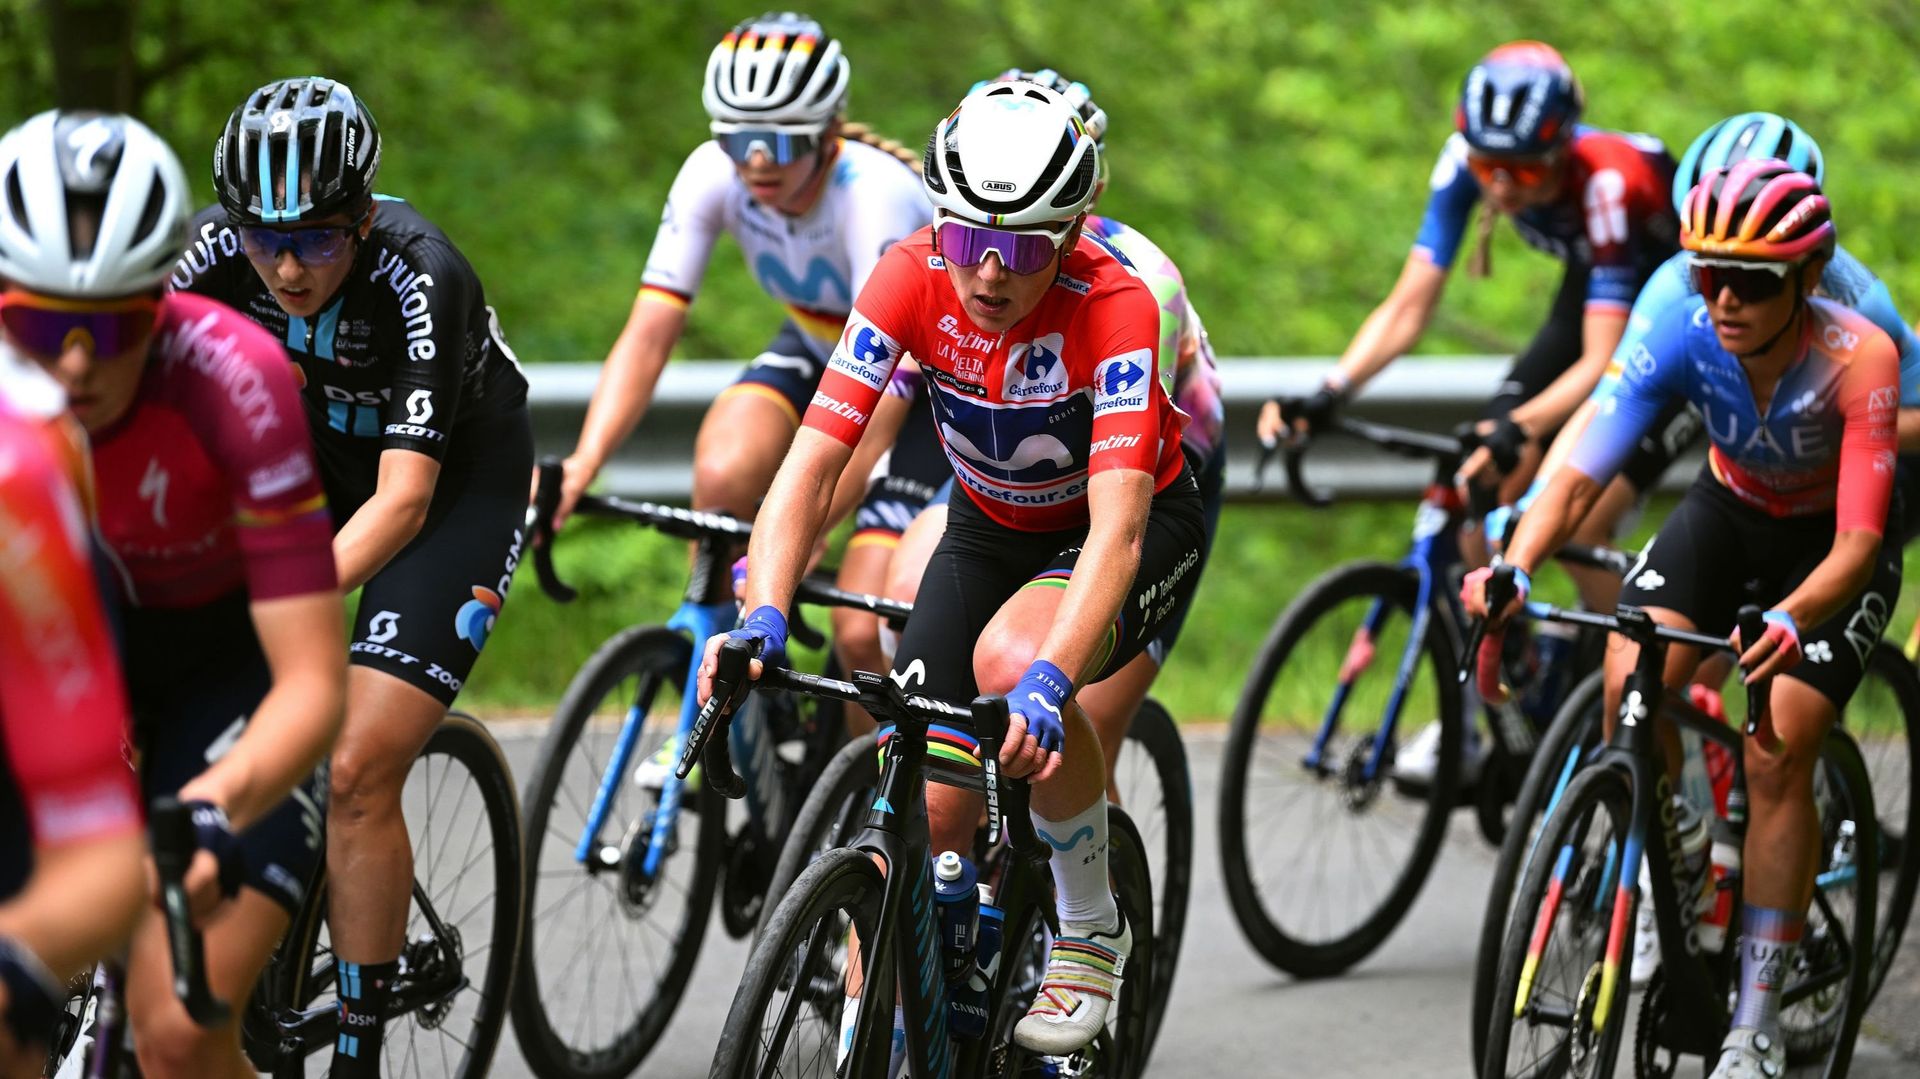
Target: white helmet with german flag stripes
1013 154
781 68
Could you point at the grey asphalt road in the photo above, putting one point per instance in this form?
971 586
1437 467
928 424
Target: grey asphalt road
1401 1014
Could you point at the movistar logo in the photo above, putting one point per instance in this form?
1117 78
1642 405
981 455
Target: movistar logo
813 289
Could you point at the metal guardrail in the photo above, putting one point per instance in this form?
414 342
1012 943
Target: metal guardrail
1433 393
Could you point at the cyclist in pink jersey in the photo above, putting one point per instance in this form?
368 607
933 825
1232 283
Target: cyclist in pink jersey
1799 397
1041 351
69 819
211 510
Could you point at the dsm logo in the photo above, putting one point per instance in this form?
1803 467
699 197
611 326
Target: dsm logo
1121 384
475 618
1035 370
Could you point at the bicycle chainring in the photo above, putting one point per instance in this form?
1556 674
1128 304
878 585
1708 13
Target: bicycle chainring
743 890
1647 1050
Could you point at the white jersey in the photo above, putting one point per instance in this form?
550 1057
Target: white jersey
815 264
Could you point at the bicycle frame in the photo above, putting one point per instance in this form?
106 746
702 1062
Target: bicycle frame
1434 551
707 609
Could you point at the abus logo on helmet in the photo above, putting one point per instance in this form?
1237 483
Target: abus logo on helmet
997 185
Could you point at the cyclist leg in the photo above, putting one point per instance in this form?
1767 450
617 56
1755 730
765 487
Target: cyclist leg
747 431
190 675
421 624
917 543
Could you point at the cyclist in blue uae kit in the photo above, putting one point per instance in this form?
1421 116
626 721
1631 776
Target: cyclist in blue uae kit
1594 199
419 419
1081 470
813 202
1798 395
213 522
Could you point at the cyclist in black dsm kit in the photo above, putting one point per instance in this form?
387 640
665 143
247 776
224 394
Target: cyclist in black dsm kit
419 420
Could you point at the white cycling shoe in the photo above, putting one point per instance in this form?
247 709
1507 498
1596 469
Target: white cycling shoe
1083 978
1750 1054
1415 763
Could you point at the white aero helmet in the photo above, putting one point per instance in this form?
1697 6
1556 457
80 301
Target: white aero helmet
1013 154
780 68
91 205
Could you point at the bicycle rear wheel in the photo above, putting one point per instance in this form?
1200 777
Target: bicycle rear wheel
462 928
1558 1008
598 987
1884 719
785 1019
1157 793
1827 991
1568 743
1336 651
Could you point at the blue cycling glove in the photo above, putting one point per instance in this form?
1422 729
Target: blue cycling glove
766 629
1038 698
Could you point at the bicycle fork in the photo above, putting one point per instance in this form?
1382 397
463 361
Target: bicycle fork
1360 656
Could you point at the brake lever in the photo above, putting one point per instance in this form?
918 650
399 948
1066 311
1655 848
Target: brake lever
546 499
730 684
1753 626
171 826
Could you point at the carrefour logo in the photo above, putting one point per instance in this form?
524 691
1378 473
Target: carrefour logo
1035 370
864 352
1121 384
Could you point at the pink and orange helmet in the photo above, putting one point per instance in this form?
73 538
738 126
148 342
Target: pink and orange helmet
1762 210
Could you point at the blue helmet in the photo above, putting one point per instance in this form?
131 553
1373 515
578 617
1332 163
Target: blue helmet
1746 136
1520 100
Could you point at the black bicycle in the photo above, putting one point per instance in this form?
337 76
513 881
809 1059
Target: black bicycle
1151 781
626 856
878 891
1560 1003
1362 650
448 1003
1883 717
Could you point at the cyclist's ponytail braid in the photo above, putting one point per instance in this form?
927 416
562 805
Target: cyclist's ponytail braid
1480 263
859 132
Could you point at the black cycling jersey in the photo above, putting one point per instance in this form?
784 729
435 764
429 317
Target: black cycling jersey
401 358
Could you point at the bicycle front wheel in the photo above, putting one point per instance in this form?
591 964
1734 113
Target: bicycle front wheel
1307 780
786 1015
1559 1007
1157 792
1571 739
1884 719
609 947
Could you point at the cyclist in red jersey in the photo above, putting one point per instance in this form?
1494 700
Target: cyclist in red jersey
69 819
211 510
1597 200
1040 350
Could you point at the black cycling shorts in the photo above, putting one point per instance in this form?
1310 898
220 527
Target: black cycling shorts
425 616
785 373
1713 545
194 678
1212 481
980 564
906 481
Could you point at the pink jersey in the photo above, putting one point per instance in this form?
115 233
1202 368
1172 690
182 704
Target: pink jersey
1027 416
208 484
63 709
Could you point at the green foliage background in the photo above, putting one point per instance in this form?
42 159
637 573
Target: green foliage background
1277 148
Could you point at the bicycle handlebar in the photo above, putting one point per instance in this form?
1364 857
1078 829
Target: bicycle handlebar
170 825
988 718
1405 441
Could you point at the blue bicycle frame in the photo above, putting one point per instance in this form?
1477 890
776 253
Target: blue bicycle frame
1435 551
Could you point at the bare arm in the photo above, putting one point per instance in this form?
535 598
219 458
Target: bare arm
1836 580
105 877
1909 423
1600 333
625 390
1389 332
389 520
882 432
1118 501
304 638
1569 497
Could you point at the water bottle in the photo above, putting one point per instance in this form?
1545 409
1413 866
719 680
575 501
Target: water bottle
967 1011
1712 930
958 902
